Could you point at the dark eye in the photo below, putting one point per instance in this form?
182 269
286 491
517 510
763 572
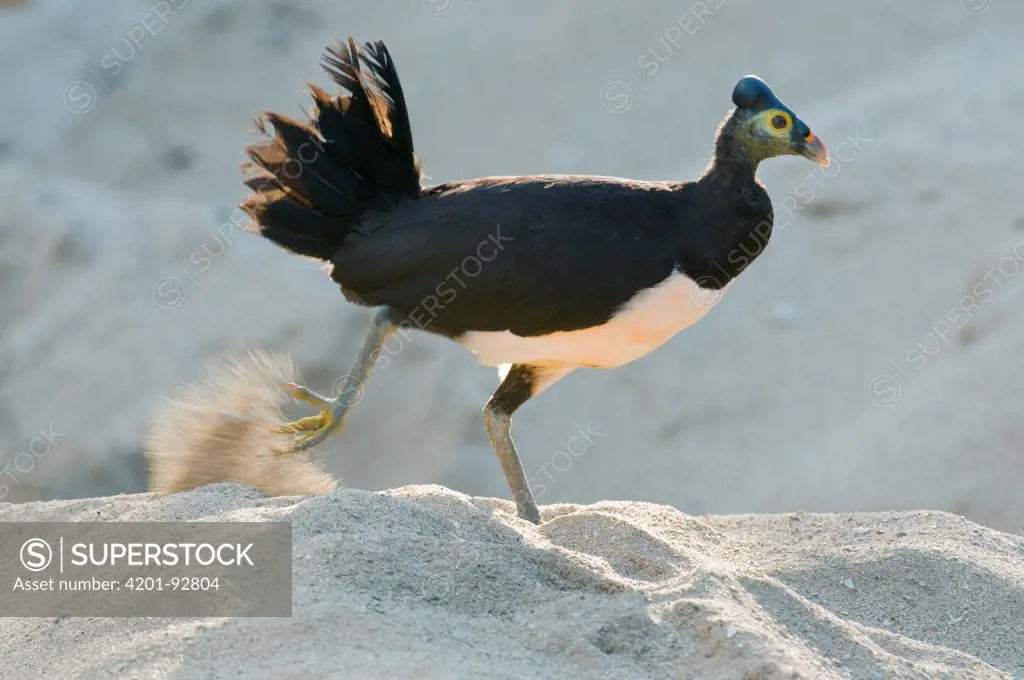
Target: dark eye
779 122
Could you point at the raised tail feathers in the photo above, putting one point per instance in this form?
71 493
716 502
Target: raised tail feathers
312 181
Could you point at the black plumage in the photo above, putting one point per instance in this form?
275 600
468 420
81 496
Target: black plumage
355 156
619 236
507 257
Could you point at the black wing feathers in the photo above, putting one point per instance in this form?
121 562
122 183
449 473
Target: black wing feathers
532 255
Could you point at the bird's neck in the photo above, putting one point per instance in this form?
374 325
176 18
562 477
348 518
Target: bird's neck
733 161
736 212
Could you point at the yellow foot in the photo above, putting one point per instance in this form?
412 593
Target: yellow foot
317 428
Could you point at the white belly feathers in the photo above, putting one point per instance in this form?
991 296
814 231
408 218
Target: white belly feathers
649 320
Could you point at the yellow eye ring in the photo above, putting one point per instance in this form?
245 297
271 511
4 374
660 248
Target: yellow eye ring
780 121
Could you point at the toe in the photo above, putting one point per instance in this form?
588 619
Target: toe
301 425
323 429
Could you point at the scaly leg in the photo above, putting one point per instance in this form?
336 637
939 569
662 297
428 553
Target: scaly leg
517 386
334 411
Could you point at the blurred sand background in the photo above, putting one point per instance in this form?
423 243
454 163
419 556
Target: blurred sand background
837 374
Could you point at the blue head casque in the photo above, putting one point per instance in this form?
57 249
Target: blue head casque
753 94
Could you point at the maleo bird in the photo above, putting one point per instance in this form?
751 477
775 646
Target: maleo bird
536 275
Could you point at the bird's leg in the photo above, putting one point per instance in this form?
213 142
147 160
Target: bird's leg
519 384
334 411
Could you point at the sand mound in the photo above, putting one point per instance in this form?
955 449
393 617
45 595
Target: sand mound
425 583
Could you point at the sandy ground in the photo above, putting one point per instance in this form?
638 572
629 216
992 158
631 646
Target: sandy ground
869 361
427 584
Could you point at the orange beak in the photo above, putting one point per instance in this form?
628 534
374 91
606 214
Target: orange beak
815 150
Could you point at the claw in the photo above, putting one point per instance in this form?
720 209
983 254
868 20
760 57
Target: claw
316 428
324 426
301 425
